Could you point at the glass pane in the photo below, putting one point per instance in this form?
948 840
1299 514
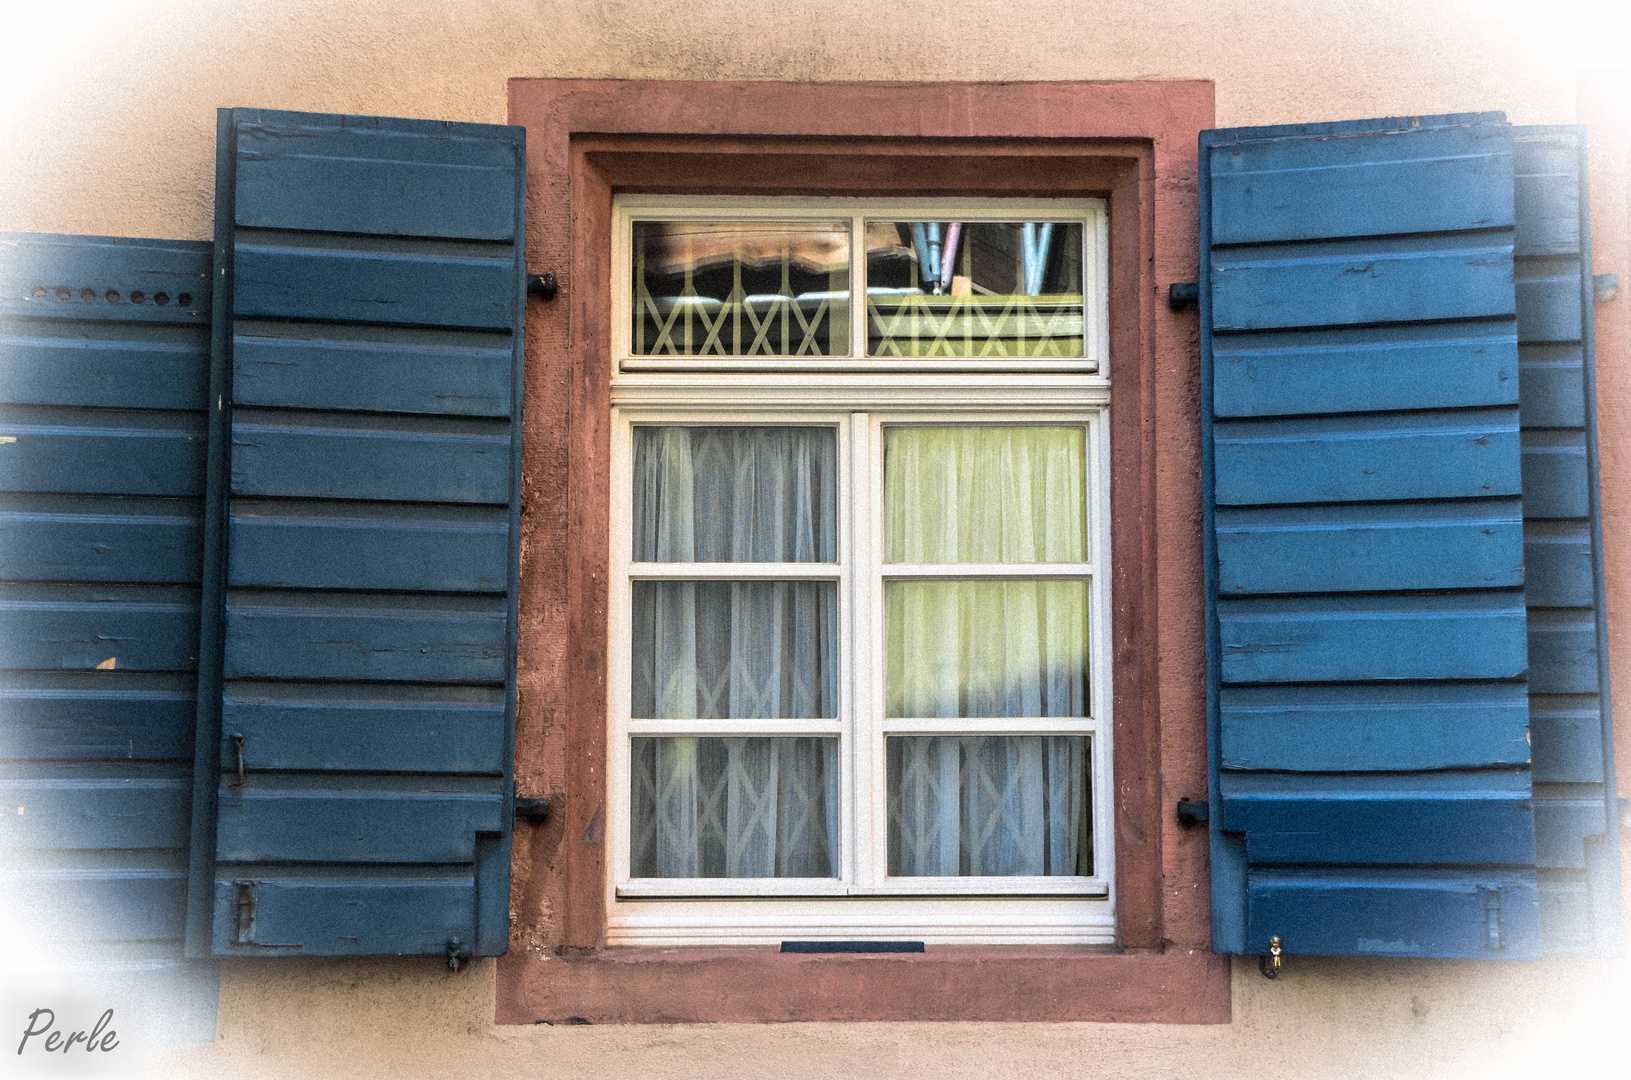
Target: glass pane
985 648
741 288
985 494
735 650
978 805
979 288
734 808
735 494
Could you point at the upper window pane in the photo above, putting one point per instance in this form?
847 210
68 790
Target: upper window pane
741 288
976 494
735 494
981 288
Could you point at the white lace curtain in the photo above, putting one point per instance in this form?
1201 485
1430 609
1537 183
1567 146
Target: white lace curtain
735 807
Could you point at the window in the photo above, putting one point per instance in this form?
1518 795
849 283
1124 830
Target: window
859 605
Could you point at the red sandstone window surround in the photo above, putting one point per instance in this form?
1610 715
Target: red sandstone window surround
1131 144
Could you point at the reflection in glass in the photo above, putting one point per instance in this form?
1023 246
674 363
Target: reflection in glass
735 494
985 648
734 808
981 288
985 494
741 288
734 650
977 805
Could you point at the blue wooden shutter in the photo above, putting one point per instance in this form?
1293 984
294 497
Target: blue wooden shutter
1367 654
104 363
1576 834
361 663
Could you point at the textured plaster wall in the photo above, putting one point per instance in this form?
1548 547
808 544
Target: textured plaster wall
107 126
107 109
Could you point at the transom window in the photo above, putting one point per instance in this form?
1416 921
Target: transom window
860 667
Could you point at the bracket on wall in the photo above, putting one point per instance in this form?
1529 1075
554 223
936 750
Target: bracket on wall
1183 294
544 286
1605 287
533 810
1193 812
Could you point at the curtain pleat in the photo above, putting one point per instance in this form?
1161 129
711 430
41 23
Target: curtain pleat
750 806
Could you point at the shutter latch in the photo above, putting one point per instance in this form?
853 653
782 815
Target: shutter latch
245 911
1492 918
1269 962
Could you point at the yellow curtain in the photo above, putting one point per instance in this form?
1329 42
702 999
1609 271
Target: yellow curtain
985 648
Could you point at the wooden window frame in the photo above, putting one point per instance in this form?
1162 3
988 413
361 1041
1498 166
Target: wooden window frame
1133 144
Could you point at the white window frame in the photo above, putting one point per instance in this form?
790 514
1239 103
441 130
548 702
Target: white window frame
1090 213
862 902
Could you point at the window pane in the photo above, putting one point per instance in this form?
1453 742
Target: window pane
985 648
735 650
970 806
734 807
974 288
735 494
741 288
985 494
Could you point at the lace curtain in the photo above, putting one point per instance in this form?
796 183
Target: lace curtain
735 807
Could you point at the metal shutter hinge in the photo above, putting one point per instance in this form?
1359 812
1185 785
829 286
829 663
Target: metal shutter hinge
1193 811
534 810
1183 294
1492 919
1605 287
244 910
543 286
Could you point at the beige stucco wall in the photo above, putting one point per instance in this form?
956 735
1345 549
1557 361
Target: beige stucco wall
107 126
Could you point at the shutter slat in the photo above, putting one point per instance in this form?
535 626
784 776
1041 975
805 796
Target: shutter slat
366 523
381 369
80 538
379 727
98 715
1428 455
346 916
418 285
1365 547
79 627
1366 912
313 456
373 546
1368 637
1366 727
1364 369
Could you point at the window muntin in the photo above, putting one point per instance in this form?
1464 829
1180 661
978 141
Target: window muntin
846 285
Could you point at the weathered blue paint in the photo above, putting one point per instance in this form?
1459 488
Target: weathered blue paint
1576 827
1369 911
341 545
369 349
101 400
378 368
416 910
1364 369
1368 547
342 728
1367 631
1366 727
354 456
